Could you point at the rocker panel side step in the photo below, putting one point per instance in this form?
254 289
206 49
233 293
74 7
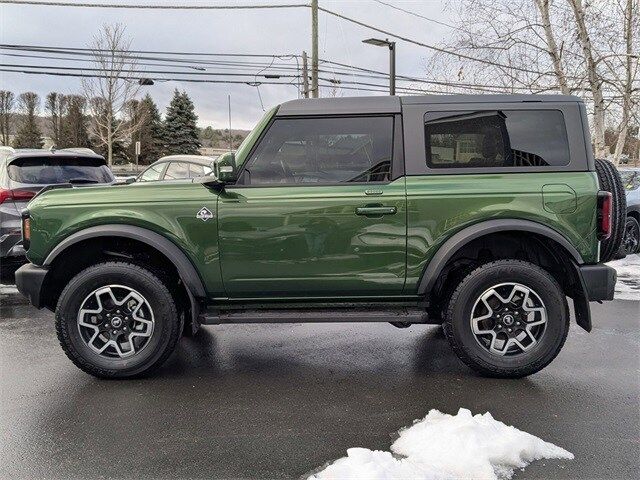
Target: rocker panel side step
313 315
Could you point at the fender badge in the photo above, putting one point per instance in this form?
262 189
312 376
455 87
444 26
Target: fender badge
204 214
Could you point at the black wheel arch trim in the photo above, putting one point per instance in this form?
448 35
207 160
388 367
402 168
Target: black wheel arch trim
477 230
188 273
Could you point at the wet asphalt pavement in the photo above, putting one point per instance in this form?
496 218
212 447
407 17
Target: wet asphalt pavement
278 401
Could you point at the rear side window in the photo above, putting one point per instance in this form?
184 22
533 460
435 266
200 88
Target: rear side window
176 171
323 150
58 169
499 138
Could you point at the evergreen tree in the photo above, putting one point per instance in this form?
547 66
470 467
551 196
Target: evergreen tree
150 132
29 135
75 132
181 132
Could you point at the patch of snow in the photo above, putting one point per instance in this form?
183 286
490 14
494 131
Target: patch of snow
628 284
8 289
446 447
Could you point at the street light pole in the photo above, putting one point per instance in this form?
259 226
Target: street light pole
392 59
392 68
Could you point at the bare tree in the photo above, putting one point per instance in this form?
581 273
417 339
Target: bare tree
55 106
566 46
29 134
630 93
110 93
7 104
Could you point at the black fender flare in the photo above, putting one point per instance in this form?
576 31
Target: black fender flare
188 273
460 239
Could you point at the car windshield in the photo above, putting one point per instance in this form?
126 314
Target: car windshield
53 170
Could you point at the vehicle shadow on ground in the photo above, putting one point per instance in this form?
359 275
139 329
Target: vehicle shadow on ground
248 404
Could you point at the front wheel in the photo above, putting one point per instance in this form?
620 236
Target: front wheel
117 320
631 238
507 318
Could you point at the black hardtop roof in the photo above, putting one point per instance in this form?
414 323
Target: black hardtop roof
393 104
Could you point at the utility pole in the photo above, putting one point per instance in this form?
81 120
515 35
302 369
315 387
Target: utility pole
305 75
314 48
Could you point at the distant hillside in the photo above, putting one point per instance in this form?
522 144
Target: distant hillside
219 138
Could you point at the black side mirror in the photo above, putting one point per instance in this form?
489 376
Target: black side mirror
224 168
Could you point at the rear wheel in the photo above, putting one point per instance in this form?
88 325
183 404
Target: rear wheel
610 181
507 318
117 320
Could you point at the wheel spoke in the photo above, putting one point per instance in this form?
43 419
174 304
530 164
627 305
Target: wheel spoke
498 314
113 303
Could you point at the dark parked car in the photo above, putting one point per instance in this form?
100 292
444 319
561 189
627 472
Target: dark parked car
631 241
176 167
23 173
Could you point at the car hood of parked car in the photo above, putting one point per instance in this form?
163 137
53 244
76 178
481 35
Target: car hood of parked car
131 194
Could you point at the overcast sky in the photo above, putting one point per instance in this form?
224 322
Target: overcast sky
276 31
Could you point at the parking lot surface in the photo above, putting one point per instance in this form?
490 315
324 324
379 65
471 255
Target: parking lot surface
279 401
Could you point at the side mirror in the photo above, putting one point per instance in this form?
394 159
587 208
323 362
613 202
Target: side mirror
224 168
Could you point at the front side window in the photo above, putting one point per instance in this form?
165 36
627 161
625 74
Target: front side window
499 138
152 173
323 150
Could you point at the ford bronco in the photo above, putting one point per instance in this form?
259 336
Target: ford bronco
480 213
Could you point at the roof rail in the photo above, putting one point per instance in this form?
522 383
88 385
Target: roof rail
7 149
78 150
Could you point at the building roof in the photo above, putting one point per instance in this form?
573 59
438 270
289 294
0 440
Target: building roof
393 104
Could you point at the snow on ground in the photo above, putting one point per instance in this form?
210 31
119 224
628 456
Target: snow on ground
628 284
8 289
446 447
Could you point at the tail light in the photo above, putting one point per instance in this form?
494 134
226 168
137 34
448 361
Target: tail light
6 195
605 207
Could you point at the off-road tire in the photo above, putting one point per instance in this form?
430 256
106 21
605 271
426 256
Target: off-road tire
162 342
610 181
457 319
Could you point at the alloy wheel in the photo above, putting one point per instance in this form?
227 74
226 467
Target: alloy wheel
508 319
115 321
631 237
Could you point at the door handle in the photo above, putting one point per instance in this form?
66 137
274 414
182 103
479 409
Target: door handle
375 210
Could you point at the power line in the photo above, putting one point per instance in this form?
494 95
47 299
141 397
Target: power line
125 70
136 78
43 48
150 7
395 7
430 47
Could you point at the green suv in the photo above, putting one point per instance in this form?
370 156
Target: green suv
480 213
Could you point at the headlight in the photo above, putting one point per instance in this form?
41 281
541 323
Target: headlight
26 229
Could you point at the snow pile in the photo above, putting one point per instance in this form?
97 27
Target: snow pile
628 284
447 447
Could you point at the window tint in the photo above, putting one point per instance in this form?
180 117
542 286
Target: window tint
152 173
177 170
323 150
516 138
59 169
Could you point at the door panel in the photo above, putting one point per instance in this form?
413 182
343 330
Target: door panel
340 240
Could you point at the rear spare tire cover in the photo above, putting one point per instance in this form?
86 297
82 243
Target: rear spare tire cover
610 181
